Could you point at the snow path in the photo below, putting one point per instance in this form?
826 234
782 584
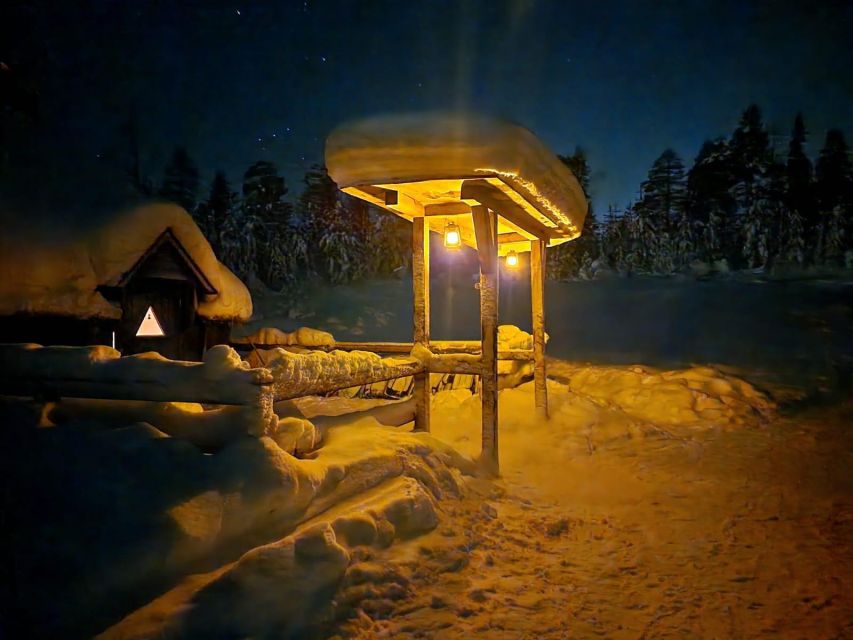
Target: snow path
738 532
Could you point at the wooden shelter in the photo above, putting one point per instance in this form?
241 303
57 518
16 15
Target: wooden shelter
501 189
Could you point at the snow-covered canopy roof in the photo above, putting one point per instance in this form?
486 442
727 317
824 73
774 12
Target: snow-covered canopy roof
438 165
61 275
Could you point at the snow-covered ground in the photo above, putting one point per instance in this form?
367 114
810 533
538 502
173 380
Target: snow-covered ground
672 502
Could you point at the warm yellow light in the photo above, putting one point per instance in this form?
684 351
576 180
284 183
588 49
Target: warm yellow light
452 237
511 259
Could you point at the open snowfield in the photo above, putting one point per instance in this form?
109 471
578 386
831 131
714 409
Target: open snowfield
660 499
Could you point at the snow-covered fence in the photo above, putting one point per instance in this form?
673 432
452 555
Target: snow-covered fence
102 373
316 372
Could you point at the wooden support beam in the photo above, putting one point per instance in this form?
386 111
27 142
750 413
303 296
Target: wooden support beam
490 196
485 229
485 225
420 286
537 299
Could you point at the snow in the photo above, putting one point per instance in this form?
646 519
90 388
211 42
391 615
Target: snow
655 502
271 336
427 155
60 276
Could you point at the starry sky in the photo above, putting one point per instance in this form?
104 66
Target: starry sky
236 82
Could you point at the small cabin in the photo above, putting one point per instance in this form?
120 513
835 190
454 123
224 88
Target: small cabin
145 280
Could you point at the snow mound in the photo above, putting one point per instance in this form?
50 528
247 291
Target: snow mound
700 395
60 276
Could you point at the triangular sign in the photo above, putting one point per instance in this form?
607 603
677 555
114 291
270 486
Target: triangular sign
150 325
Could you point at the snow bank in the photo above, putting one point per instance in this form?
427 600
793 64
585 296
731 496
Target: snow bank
696 396
60 276
162 507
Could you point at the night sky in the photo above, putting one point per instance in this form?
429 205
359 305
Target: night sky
239 81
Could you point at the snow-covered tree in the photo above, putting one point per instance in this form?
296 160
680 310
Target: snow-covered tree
212 215
567 260
341 251
269 216
664 192
390 244
833 234
792 248
181 180
834 182
799 192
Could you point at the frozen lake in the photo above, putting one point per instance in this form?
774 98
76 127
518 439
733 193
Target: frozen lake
792 332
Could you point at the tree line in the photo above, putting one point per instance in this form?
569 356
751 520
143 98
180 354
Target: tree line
741 205
262 236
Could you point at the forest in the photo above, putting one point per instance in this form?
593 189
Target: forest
742 204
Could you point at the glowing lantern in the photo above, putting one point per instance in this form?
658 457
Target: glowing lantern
452 236
150 326
511 259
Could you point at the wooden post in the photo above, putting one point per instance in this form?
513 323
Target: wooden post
485 227
420 287
537 299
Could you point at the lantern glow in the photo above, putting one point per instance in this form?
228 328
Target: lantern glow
452 236
511 259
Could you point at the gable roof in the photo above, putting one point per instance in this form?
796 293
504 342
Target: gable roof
166 240
62 275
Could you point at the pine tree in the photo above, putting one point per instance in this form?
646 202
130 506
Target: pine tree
799 194
181 180
317 209
213 213
390 246
567 260
710 205
664 191
749 232
792 248
269 216
834 183
834 238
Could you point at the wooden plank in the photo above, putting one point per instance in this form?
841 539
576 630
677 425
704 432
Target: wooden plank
375 347
537 299
504 238
490 196
447 209
488 250
420 289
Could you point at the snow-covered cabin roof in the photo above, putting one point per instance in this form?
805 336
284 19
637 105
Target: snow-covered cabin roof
438 165
61 275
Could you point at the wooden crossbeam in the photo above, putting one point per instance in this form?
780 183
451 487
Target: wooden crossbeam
490 196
